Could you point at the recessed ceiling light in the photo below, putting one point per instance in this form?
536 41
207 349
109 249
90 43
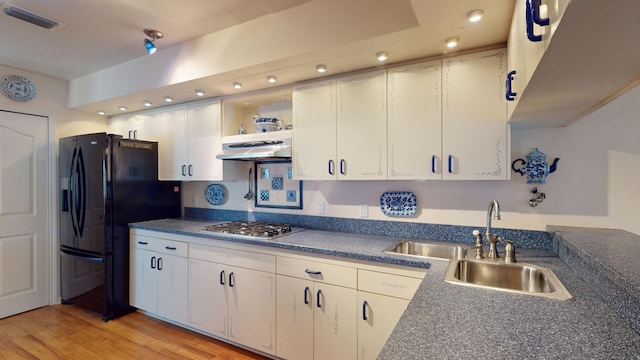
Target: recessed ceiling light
199 93
475 15
271 78
168 99
101 112
452 42
147 103
122 108
382 56
237 85
321 68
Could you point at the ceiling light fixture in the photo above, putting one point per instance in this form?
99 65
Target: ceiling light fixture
475 15
237 85
199 93
122 108
101 112
147 103
452 42
321 68
271 79
149 44
168 99
382 56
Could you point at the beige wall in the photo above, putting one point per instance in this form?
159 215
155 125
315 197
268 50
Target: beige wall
51 100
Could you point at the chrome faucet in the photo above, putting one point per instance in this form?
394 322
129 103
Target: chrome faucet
494 207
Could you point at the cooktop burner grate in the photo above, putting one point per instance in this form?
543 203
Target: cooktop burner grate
258 229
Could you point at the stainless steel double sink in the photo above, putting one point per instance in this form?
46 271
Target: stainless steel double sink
495 274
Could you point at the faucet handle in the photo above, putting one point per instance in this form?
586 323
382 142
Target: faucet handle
509 252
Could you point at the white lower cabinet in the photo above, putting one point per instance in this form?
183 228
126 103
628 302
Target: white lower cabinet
315 319
159 277
381 304
236 302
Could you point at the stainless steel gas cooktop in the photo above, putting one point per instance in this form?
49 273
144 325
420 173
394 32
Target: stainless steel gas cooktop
253 229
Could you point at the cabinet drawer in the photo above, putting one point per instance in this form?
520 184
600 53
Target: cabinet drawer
244 259
316 271
164 246
388 284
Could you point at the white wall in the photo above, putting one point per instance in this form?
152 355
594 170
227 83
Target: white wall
51 100
595 185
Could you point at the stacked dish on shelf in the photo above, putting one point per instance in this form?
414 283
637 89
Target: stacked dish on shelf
267 124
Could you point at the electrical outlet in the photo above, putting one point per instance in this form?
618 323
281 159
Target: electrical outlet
195 201
320 207
364 210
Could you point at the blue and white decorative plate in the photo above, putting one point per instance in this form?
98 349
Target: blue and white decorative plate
18 88
216 194
398 203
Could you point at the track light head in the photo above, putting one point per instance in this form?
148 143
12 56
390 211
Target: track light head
149 44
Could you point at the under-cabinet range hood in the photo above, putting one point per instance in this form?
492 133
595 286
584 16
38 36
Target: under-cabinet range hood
256 150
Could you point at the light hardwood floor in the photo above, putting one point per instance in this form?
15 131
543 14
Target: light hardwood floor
69 332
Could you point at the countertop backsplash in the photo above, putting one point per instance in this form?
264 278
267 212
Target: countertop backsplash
524 239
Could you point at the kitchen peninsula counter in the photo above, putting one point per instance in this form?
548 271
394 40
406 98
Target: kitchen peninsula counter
451 321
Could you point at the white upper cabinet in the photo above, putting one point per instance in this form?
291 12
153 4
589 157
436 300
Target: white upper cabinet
189 137
314 135
414 121
475 134
362 126
134 126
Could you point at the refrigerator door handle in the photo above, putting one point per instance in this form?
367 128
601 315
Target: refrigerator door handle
73 187
84 256
82 184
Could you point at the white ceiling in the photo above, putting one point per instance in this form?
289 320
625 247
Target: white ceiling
100 34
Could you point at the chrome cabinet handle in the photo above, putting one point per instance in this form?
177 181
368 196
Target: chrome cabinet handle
306 293
343 166
364 310
190 170
509 94
312 272
153 262
135 134
331 166
130 134
159 263
184 170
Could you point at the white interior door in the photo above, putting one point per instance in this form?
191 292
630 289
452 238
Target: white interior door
24 213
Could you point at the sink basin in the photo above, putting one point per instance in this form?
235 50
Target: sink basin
427 249
518 278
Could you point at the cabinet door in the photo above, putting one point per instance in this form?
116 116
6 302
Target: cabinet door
378 316
414 121
334 322
362 126
252 308
173 294
294 323
475 133
136 126
515 55
314 136
208 297
204 135
143 280
170 129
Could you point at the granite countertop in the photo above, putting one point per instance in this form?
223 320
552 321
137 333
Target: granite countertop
451 321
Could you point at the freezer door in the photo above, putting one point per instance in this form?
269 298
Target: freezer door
82 281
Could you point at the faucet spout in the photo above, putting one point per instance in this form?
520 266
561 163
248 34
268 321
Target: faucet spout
494 207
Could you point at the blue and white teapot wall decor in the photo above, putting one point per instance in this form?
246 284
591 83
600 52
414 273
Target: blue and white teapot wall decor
535 167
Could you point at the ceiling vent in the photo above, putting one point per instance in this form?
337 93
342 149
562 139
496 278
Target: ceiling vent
24 15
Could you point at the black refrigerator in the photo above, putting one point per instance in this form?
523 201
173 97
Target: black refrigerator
106 182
